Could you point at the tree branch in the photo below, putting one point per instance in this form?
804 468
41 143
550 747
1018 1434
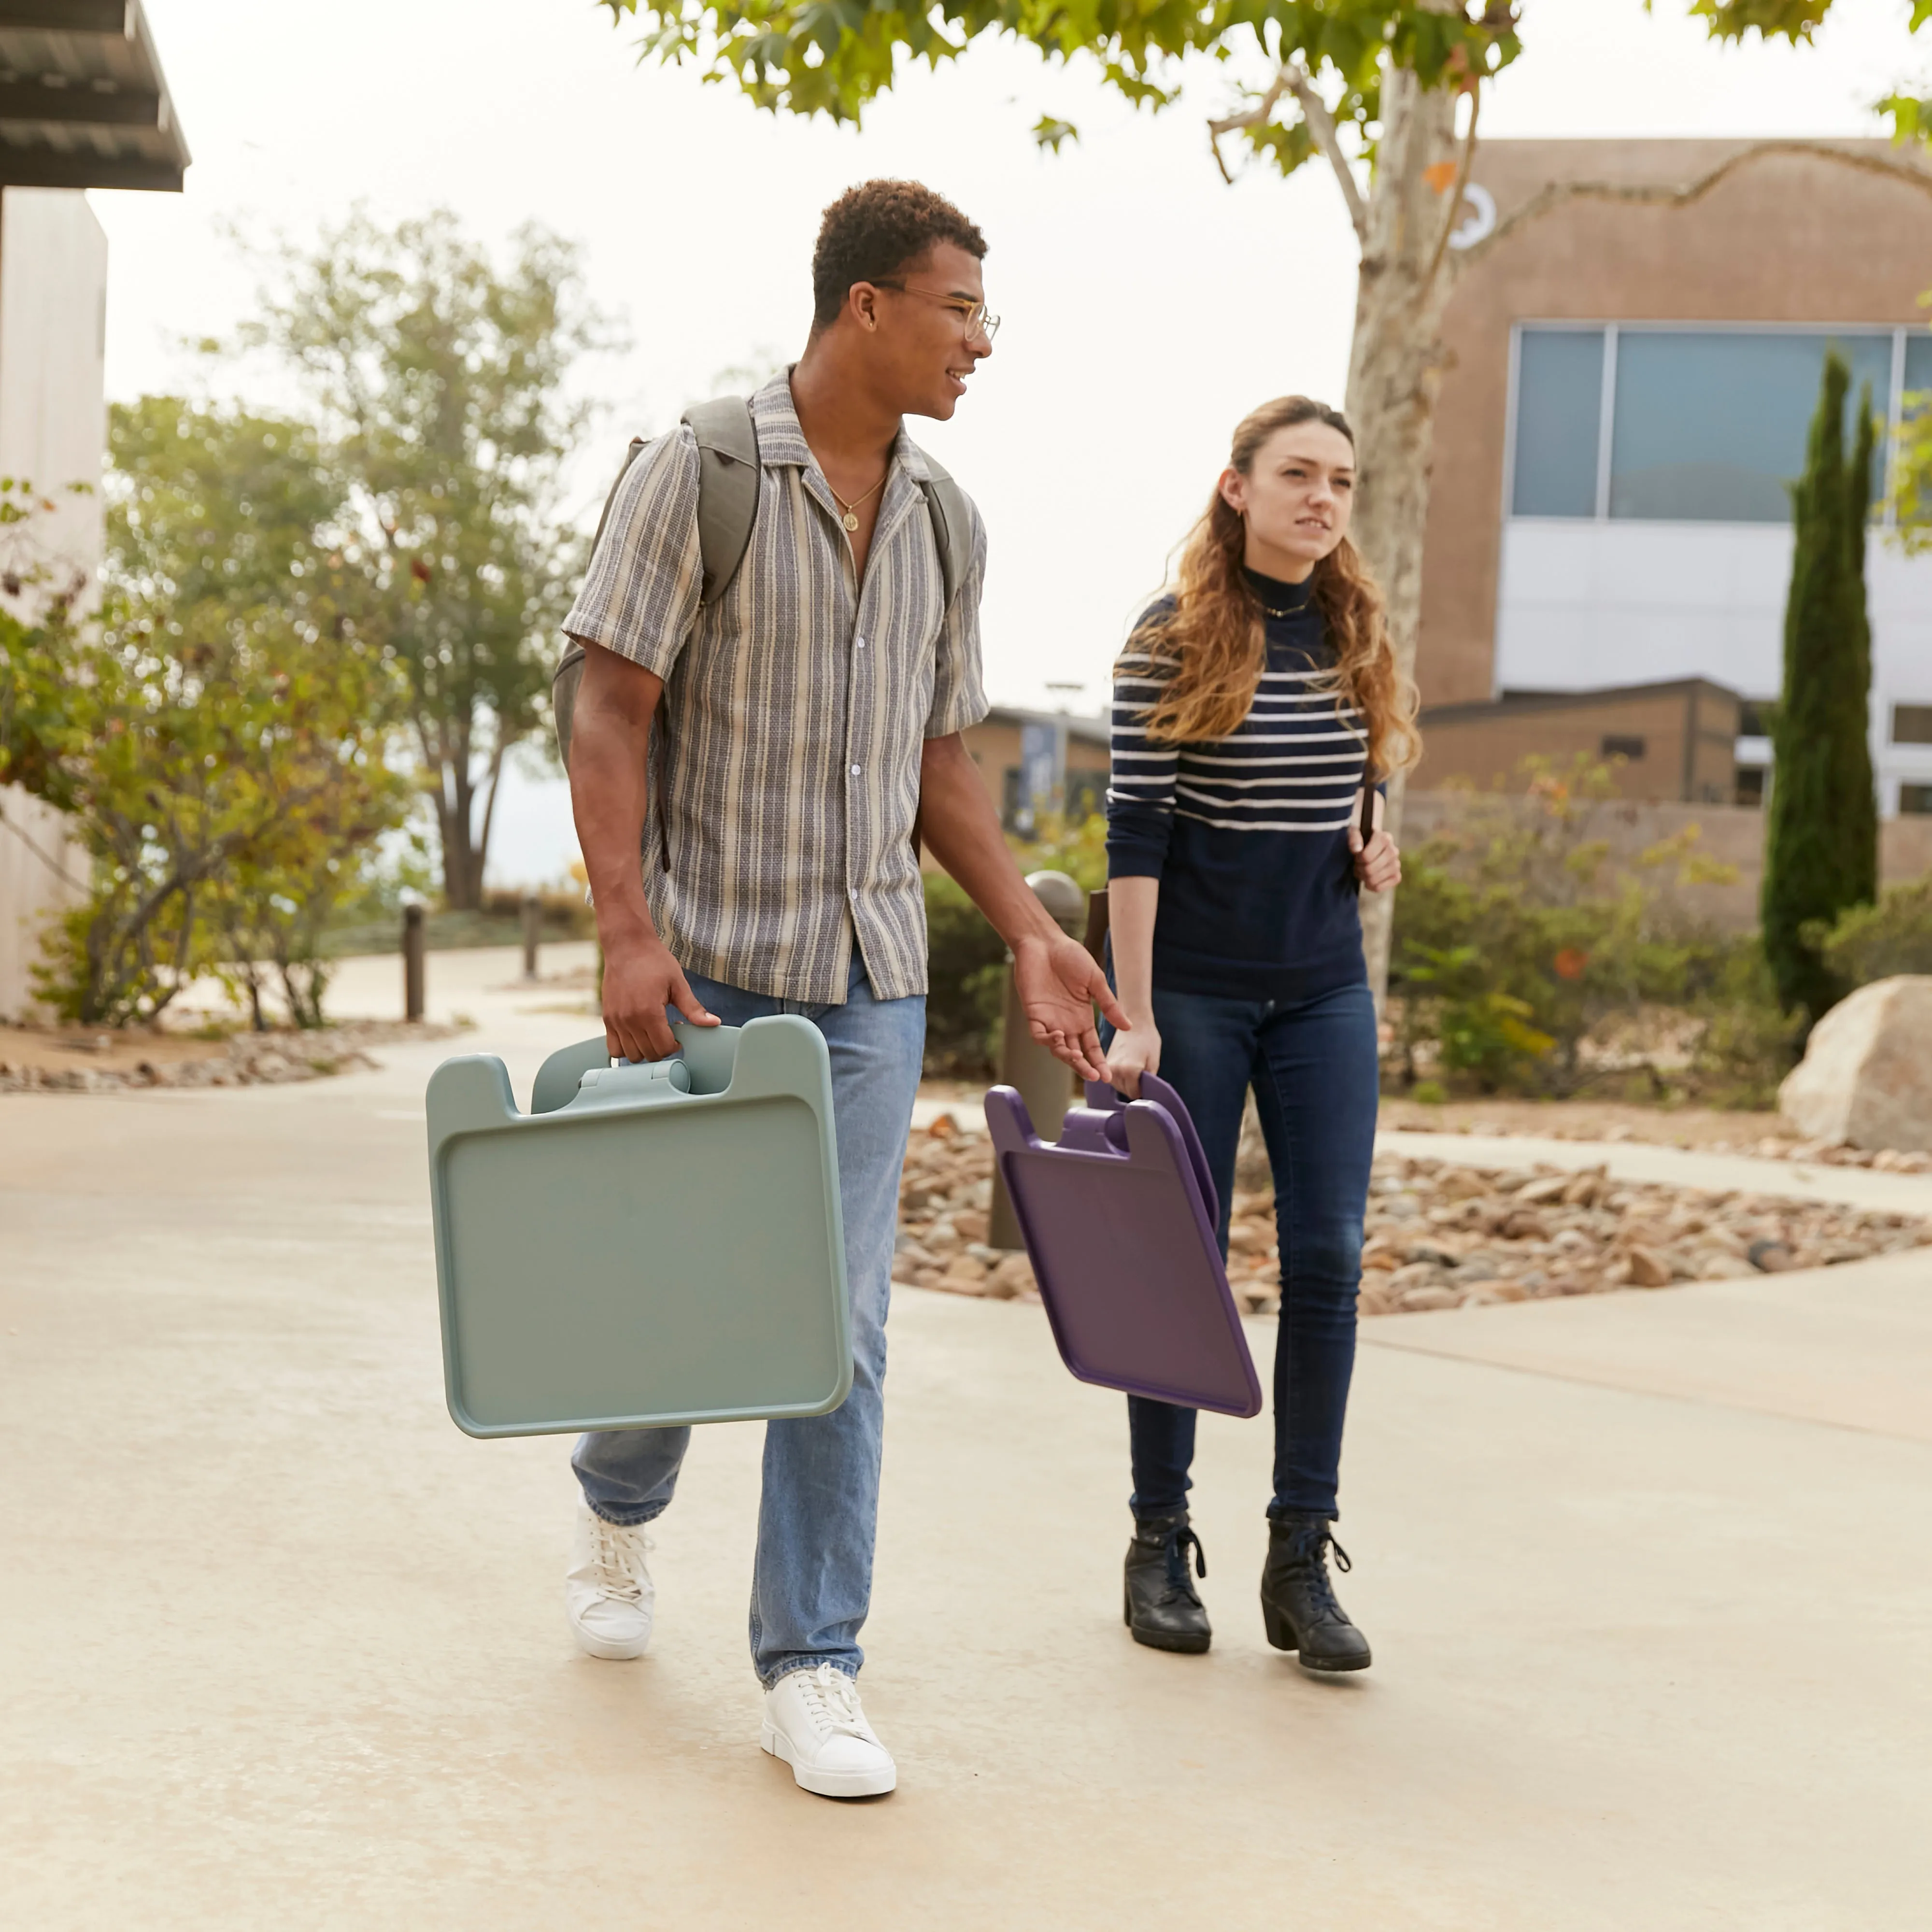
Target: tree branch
1322 125
1656 195
1458 188
1256 117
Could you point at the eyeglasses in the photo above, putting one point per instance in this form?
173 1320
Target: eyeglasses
975 317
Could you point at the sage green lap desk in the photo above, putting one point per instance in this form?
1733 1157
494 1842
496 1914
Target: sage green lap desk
650 1244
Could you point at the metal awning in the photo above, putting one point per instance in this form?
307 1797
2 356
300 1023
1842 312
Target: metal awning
83 103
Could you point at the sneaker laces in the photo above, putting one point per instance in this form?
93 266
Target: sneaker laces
618 1552
832 1698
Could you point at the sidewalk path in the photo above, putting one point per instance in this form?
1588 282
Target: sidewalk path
1649 1579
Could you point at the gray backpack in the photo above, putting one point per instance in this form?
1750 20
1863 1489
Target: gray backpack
727 504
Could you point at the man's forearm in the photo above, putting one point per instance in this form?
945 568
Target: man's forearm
609 790
961 829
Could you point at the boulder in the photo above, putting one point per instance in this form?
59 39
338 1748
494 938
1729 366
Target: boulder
1866 1077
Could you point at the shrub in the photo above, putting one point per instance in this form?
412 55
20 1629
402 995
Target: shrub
1874 942
967 981
1514 949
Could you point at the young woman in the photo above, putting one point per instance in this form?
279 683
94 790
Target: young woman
1254 707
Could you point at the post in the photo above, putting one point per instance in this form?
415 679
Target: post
413 962
1045 1084
532 926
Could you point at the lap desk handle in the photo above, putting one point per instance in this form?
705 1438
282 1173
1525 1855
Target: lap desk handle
1119 1221
649 1245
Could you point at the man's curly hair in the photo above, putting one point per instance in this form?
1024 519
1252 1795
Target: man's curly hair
873 232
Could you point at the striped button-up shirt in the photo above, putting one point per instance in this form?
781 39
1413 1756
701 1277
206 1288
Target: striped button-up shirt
780 826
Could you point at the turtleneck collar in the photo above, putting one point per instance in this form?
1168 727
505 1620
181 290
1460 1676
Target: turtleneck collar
1275 595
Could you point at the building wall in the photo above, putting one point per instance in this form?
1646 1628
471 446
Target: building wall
53 320
53 294
1796 240
1732 834
1688 749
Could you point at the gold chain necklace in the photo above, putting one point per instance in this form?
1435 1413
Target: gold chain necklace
1293 610
851 519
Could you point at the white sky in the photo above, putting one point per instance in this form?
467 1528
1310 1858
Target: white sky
1148 306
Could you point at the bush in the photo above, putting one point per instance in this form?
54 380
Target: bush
969 969
967 982
1516 955
1874 942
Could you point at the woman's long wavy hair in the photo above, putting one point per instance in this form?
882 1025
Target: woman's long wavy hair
1214 627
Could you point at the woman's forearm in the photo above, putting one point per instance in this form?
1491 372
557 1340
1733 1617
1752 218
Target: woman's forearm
1131 903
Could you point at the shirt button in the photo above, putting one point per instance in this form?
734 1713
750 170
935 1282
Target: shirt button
855 771
862 644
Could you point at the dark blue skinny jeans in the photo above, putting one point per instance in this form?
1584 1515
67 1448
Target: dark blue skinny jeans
1312 1064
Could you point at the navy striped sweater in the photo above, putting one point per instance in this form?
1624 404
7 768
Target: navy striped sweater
1248 834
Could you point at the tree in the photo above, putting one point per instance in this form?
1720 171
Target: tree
445 426
216 729
1821 844
1375 88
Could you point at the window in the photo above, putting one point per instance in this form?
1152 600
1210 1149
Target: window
1916 799
1917 362
1711 427
1750 784
1618 747
1559 404
1912 724
1755 716
1706 425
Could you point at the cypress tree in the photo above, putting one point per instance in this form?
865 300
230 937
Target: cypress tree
1821 844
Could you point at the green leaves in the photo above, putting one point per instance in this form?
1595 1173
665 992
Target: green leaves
836 57
1792 20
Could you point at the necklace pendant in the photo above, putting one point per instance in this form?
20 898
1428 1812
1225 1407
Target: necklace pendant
851 519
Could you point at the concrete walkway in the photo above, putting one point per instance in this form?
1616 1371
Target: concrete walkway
1649 1578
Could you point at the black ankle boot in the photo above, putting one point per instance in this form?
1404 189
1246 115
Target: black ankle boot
1298 1603
1162 1609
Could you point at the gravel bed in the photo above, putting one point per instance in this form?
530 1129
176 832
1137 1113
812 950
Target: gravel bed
1438 1235
244 1060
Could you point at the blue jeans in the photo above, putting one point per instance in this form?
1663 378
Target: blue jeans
812 1583
1312 1064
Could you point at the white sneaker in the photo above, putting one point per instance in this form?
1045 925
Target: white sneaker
814 1722
608 1595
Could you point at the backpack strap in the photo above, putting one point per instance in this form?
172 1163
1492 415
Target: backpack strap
727 506
952 524
727 487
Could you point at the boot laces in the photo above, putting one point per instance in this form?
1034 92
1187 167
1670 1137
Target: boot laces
832 1699
619 1555
1308 1552
1180 1542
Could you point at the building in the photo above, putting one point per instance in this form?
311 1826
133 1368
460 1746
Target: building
1037 763
1675 742
1627 390
83 104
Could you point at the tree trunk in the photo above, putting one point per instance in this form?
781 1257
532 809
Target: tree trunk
455 803
1395 369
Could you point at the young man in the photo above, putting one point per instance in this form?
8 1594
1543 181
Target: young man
809 731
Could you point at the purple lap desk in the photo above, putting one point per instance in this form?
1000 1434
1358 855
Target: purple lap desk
1118 1220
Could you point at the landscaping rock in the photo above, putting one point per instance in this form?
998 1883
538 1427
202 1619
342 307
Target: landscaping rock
1437 1235
1644 1267
1866 1077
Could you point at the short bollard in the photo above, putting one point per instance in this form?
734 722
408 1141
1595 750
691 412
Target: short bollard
532 928
1045 1083
413 962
